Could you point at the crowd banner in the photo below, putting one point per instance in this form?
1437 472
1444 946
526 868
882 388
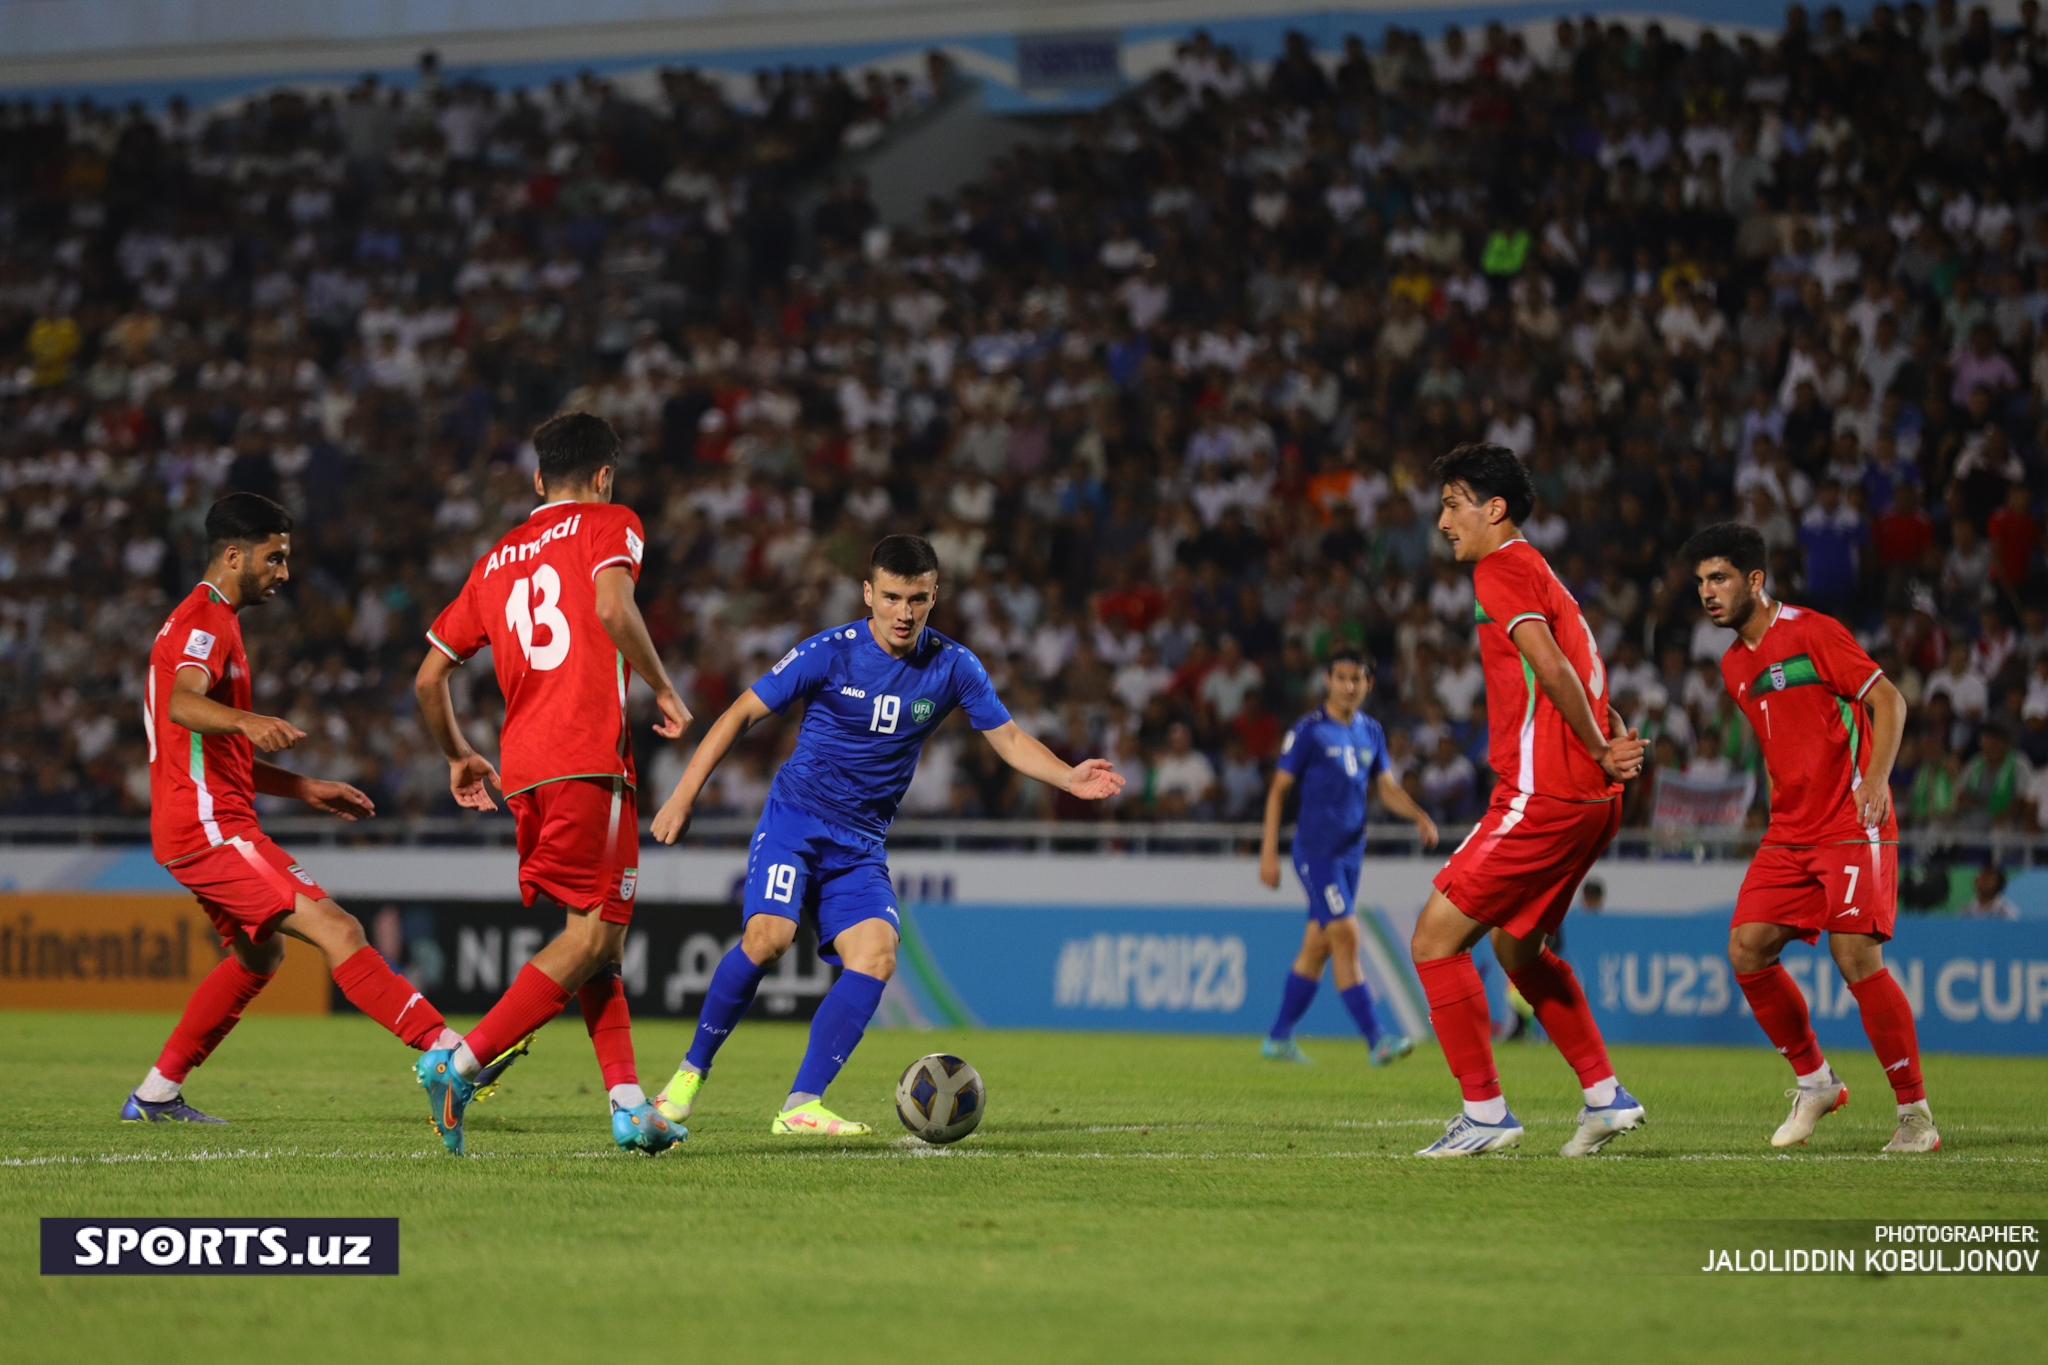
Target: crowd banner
76 950
1702 802
1975 985
1146 969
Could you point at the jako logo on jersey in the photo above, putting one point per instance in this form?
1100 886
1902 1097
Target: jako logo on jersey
920 711
515 554
853 692
199 645
784 662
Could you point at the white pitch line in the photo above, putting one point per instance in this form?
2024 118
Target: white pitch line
922 1152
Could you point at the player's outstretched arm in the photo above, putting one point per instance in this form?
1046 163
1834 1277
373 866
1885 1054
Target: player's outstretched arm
335 798
468 770
1269 838
194 710
1402 804
1620 757
674 816
620 616
1092 779
1887 729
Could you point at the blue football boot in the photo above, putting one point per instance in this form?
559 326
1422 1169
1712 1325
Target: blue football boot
643 1128
448 1094
139 1110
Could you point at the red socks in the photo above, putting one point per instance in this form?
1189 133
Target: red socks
372 987
1888 1019
214 1009
603 1001
1457 1011
530 1001
1781 1010
1552 989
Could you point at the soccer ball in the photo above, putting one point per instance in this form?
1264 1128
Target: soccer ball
940 1098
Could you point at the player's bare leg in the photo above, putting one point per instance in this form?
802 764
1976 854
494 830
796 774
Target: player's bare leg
868 950
1300 991
1780 1009
1888 1022
212 1012
1383 1045
1552 989
1442 950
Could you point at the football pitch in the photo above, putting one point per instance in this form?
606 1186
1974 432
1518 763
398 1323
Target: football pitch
1130 1198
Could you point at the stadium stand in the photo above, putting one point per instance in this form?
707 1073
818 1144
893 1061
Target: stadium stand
1162 391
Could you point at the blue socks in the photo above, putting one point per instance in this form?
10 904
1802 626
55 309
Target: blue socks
725 1004
1294 1002
836 1030
1359 1001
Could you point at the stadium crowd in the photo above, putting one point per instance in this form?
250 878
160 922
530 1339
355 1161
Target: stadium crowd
1162 389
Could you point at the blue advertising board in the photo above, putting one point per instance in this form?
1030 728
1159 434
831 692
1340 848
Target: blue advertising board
1165 969
1975 986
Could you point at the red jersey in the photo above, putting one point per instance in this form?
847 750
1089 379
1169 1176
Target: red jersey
201 787
533 600
1529 745
1802 688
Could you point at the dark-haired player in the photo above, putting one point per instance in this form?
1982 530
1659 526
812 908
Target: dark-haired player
203 778
1336 752
554 601
1559 764
1829 722
874 690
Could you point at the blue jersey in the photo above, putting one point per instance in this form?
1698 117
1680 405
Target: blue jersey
1334 763
868 716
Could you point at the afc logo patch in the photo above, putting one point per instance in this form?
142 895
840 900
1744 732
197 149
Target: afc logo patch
784 662
629 881
634 545
199 645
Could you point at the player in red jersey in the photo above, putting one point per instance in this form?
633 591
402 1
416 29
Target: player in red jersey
1559 756
1830 723
203 778
554 601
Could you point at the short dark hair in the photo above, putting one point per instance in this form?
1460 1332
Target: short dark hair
572 447
904 556
244 519
1345 654
1742 546
1490 471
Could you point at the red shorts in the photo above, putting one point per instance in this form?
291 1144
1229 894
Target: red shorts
247 883
1522 863
579 843
1846 888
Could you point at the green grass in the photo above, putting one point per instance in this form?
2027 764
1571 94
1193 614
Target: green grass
1130 1198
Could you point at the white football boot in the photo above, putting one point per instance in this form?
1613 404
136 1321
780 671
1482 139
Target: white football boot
1916 1131
1810 1104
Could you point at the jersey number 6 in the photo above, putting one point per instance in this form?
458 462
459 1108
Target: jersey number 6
523 613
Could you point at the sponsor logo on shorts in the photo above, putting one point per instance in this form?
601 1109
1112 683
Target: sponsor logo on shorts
199 645
628 881
921 711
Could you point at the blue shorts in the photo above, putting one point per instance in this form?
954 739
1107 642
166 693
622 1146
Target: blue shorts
801 866
1331 883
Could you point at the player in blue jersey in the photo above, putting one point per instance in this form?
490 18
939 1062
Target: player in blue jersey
1335 753
873 691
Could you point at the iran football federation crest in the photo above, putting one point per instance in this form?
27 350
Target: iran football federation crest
920 711
1778 677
